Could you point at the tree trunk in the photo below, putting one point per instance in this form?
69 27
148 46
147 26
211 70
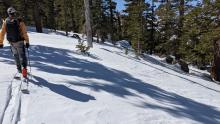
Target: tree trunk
181 16
37 17
215 73
72 17
111 21
51 15
215 70
180 27
88 23
119 26
152 29
65 17
25 10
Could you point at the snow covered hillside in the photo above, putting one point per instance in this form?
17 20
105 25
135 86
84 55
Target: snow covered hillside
107 87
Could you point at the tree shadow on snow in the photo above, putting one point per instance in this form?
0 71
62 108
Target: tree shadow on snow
118 83
156 62
63 90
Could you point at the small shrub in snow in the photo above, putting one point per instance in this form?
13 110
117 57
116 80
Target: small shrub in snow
82 47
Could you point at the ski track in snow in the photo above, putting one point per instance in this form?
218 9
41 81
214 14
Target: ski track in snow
107 87
8 98
12 110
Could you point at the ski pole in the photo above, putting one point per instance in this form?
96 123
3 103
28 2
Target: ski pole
29 61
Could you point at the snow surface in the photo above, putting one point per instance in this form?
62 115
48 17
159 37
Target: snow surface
107 87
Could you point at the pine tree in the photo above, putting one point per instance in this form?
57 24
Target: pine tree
135 23
198 36
98 18
112 13
119 26
152 24
167 26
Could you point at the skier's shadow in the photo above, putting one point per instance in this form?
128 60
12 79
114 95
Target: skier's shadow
57 88
62 90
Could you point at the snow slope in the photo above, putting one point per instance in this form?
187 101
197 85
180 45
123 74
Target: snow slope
107 87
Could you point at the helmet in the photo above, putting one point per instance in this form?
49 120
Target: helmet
11 10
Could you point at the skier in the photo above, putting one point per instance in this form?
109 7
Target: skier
16 34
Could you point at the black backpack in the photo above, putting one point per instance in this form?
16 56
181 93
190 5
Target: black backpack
13 30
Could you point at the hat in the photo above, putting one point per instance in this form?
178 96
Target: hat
11 10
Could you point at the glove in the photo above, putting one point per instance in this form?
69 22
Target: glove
27 45
1 45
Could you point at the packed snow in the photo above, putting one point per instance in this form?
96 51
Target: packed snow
106 87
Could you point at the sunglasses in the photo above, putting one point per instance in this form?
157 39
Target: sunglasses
12 14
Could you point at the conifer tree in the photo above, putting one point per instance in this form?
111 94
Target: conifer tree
167 26
136 23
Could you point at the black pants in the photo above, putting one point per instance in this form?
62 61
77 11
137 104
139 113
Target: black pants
18 50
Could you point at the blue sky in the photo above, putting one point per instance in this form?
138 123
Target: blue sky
120 4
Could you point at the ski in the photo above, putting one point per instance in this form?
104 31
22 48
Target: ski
16 77
24 85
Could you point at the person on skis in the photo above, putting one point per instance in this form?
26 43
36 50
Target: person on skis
16 34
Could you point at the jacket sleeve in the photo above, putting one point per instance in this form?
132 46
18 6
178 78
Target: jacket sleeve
24 32
2 33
